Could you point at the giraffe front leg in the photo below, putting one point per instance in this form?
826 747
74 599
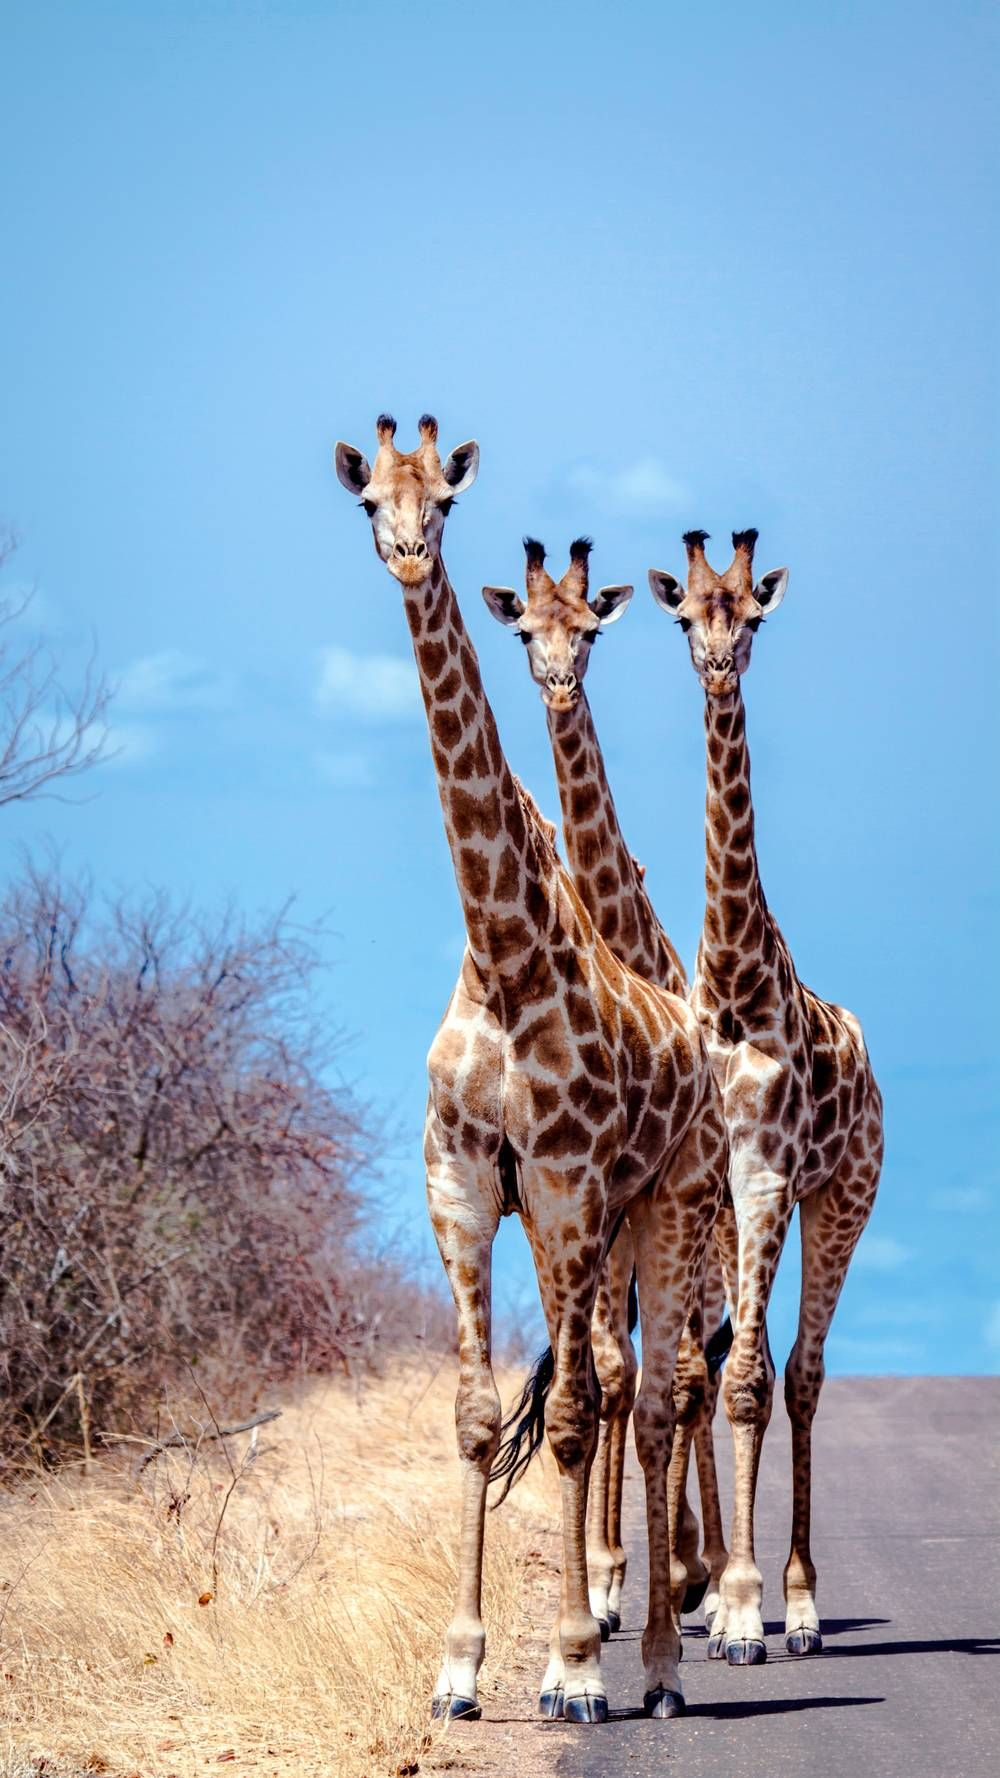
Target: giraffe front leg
662 1309
600 1566
671 1227
464 1218
763 1208
689 1390
568 1285
614 1356
714 1551
831 1220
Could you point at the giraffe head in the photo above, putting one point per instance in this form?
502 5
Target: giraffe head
407 494
720 612
559 623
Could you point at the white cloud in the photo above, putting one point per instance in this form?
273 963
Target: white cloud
129 743
964 1199
344 771
378 687
173 680
881 1253
920 1314
646 485
992 1328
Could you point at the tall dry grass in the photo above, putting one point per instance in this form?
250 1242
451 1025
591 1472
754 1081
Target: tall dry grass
145 1630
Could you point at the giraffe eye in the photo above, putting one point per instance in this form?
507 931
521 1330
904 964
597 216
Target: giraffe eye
445 506
371 507
591 635
753 624
685 623
523 636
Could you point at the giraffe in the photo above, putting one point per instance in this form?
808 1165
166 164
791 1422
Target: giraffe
803 1112
559 624
561 1086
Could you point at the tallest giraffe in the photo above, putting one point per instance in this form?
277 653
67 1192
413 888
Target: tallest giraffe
802 1110
562 1087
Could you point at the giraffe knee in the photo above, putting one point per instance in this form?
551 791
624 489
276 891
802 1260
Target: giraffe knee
804 1375
690 1387
653 1426
571 1415
748 1383
617 1372
477 1420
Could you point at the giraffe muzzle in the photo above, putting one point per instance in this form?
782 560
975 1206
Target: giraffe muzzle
719 676
410 562
560 691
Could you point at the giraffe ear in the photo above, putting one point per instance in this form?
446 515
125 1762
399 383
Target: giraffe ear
610 604
505 605
462 467
667 591
770 589
352 468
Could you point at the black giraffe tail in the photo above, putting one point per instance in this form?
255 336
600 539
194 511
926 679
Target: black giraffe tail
717 1349
525 1424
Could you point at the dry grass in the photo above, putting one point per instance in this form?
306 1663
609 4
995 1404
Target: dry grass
334 1572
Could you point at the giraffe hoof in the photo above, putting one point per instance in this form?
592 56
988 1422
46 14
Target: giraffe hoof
590 1708
804 1641
453 1706
717 1647
551 1703
614 1622
662 1702
747 1652
694 1594
604 1625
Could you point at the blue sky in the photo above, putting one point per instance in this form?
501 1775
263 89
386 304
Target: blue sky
672 266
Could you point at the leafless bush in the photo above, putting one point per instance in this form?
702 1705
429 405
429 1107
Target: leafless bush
46 733
177 1181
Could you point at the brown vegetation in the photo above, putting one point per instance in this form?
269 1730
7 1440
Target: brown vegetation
180 1186
301 1634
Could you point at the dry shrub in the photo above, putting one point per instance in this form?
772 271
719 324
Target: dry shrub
335 1573
178 1180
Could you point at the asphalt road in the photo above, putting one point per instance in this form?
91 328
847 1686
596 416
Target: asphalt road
906 1544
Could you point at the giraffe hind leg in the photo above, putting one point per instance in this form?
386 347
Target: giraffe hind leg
831 1221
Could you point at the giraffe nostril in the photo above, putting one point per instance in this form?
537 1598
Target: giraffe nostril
420 550
400 550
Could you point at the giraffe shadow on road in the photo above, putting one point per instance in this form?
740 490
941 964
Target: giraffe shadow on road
732 1709
833 1626
944 1645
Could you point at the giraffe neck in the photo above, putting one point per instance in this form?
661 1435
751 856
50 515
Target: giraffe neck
497 849
605 873
737 922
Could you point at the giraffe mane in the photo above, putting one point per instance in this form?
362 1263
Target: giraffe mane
545 830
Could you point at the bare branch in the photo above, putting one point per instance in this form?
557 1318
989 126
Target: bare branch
185 1440
46 733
